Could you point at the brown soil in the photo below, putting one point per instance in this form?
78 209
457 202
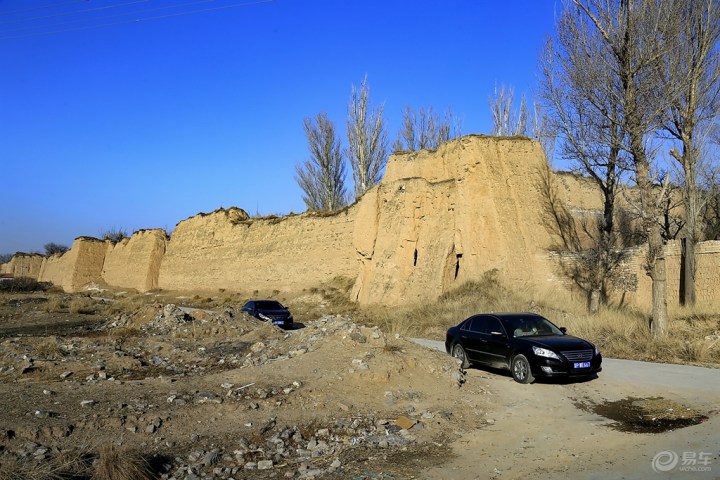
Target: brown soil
216 394
172 384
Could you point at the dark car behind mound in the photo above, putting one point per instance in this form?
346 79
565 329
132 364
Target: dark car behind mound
527 344
269 311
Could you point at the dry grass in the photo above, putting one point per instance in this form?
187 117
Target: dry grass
127 304
694 335
83 306
117 463
80 462
70 464
56 305
432 319
48 350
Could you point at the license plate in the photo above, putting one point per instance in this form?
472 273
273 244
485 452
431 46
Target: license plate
280 322
582 365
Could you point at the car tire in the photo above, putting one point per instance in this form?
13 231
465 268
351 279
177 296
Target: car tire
459 352
521 371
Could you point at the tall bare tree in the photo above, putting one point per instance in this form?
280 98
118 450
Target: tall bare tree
506 120
692 70
322 177
367 149
629 39
579 104
425 130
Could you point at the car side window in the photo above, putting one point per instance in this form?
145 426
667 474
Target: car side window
479 324
468 325
493 325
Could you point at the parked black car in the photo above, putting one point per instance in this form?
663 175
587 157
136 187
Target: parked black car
270 311
527 344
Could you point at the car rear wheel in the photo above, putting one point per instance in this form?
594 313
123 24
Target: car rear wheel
459 352
521 370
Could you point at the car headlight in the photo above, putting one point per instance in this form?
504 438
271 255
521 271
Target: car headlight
544 352
264 317
597 351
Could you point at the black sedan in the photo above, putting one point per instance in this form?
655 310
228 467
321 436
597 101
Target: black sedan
527 344
269 311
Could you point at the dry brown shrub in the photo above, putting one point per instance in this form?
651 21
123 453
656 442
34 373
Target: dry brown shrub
48 350
119 463
70 464
83 306
55 305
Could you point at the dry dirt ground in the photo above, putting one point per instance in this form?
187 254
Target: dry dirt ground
188 394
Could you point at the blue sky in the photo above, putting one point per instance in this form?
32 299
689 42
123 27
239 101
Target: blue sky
133 114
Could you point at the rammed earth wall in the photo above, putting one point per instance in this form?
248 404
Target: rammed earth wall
438 219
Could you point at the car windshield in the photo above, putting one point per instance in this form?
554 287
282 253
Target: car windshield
521 326
269 305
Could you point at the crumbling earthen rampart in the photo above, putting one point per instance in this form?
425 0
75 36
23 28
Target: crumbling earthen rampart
227 250
438 219
135 262
444 217
77 267
23 265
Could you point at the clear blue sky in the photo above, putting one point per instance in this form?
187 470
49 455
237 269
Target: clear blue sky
133 114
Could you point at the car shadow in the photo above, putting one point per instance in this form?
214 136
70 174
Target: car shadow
297 326
543 380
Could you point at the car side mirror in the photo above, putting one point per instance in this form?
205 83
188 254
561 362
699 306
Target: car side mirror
563 329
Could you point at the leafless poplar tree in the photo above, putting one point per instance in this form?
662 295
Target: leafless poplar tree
367 140
627 40
322 177
506 120
692 70
579 105
425 130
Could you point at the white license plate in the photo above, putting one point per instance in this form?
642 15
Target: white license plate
581 365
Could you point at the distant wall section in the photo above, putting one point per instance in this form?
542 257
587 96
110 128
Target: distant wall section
77 267
228 250
23 265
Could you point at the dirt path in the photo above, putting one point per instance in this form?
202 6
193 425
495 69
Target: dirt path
537 431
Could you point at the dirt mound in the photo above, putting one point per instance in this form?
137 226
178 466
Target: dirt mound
218 393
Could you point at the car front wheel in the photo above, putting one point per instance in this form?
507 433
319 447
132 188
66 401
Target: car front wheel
521 370
459 352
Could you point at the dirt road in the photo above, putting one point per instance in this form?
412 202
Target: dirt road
539 431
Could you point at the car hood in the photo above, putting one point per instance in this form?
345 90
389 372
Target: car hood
560 343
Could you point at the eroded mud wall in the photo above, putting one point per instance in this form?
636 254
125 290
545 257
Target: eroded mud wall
444 217
135 262
77 267
226 250
24 265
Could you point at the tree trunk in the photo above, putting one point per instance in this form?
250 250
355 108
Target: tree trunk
659 324
594 300
688 280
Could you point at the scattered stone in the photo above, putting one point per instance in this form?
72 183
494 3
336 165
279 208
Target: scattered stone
87 403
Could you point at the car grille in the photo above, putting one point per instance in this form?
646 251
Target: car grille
578 355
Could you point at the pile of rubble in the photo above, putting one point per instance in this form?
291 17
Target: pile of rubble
309 425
